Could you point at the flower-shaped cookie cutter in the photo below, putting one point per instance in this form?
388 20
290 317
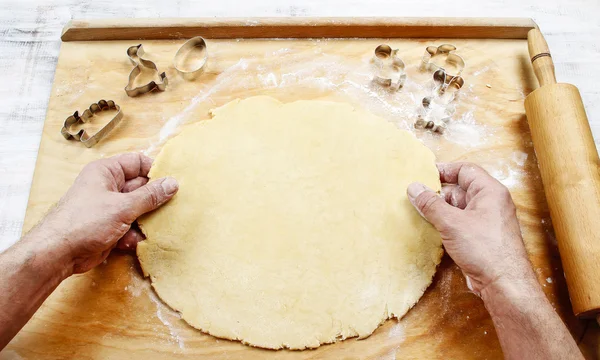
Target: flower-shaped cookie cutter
389 68
446 67
193 48
135 54
85 117
433 115
434 126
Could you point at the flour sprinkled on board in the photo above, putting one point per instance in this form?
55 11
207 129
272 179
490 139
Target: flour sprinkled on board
465 131
511 172
288 73
138 286
396 335
397 332
166 315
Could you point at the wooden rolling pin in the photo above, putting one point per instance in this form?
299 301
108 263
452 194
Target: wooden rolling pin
569 165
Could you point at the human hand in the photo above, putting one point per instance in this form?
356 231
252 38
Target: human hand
477 220
97 212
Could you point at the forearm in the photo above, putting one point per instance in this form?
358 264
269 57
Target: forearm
29 271
526 324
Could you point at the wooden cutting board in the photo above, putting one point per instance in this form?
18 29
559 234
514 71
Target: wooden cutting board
111 311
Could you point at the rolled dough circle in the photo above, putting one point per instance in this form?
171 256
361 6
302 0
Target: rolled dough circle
291 227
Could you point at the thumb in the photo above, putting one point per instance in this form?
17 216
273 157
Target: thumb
152 195
429 204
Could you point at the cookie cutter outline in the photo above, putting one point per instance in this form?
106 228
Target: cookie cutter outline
450 58
82 135
447 90
194 44
435 126
386 58
135 54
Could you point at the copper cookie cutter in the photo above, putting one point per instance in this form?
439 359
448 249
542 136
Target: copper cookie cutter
85 117
446 66
389 68
135 54
194 48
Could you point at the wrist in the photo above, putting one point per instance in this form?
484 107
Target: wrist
46 248
507 294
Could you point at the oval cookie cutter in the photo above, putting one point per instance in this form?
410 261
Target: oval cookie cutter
135 54
389 68
85 117
194 47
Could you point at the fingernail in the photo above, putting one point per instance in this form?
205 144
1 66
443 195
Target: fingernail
414 190
169 186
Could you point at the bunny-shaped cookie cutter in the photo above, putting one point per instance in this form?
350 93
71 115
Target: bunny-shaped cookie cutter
135 54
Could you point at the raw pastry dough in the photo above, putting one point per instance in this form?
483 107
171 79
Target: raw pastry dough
291 227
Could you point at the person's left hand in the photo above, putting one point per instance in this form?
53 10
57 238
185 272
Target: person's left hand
97 212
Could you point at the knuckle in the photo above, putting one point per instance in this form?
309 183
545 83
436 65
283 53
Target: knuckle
90 167
125 214
504 194
446 227
478 170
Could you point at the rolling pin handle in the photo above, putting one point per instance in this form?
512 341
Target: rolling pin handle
543 66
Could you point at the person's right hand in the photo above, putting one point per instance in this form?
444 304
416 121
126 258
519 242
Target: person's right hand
98 211
477 220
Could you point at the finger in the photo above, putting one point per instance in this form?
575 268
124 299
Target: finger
132 165
130 240
151 196
431 206
462 173
134 184
454 195
125 167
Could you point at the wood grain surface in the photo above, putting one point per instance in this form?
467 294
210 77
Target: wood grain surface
334 27
571 175
557 117
111 312
30 45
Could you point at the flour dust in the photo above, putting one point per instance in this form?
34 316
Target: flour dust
139 287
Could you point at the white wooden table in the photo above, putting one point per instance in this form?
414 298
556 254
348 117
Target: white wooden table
30 42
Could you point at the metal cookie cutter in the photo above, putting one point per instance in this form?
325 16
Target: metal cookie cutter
135 54
447 66
434 115
435 126
447 90
389 68
191 57
443 93
82 135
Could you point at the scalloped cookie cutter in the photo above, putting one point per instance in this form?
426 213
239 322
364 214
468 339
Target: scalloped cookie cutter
194 48
389 68
135 54
85 117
